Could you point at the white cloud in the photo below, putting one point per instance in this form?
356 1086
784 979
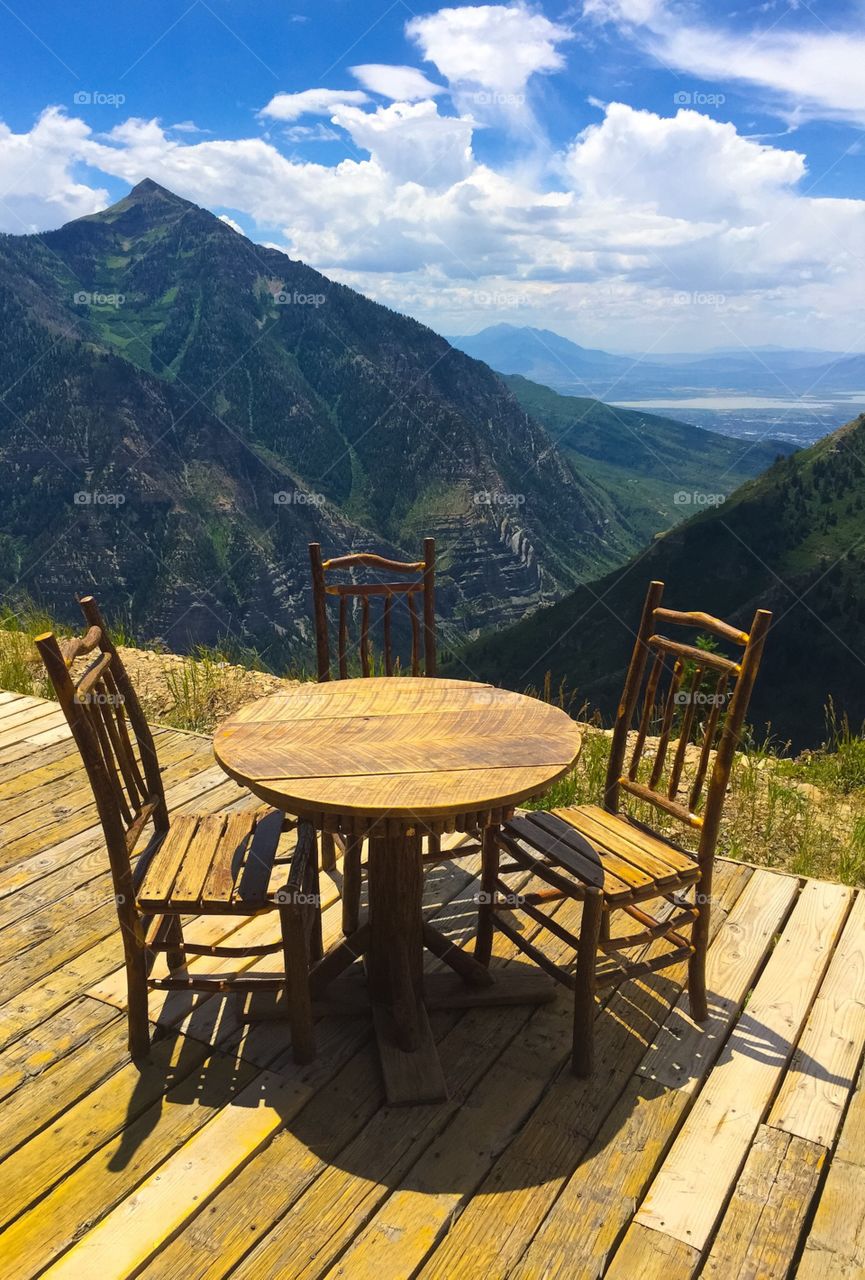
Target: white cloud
412 141
493 46
815 71
400 84
229 222
37 187
637 209
690 166
311 102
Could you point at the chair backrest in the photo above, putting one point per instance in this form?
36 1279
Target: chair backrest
394 595
687 696
114 739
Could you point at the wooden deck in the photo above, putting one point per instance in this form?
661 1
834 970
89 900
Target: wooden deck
732 1150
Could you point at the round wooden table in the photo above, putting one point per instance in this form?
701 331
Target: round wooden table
393 759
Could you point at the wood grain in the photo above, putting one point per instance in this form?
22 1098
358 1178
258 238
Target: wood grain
689 1192
398 746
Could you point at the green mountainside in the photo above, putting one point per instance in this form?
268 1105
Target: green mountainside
177 378
657 470
793 540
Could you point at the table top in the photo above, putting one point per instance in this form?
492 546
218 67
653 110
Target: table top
397 746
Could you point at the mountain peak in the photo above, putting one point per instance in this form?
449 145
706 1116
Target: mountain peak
147 205
149 190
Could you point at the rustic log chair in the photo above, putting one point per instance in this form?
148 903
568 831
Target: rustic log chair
219 864
610 861
421 575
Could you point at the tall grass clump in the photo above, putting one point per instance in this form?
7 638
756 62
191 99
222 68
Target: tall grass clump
200 689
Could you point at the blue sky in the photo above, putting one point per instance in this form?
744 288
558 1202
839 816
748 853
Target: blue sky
637 174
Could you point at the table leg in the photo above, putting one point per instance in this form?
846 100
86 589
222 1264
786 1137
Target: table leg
394 967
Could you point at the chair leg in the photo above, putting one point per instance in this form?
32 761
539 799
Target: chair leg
316 941
486 915
604 935
136 997
583 1052
297 994
351 881
434 845
697 1001
328 851
176 957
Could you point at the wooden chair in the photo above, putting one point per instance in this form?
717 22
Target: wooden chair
608 860
421 582
220 864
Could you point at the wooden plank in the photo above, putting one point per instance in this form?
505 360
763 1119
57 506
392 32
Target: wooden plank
760 1231
21 727
166 863
689 1192
255 876
91 1122
7 697
630 840
409 1078
195 862
108 1173
59 739
131 1234
522 1186
835 1246
262 1192
651 1255
60 1086
219 881
835 1249
46 799
26 1059
70 1205
557 1110
596 1202
822 1074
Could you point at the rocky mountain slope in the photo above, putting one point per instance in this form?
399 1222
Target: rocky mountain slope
184 410
657 470
793 540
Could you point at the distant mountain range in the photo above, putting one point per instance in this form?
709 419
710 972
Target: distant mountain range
792 540
548 358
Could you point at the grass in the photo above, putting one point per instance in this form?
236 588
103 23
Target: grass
20 668
200 690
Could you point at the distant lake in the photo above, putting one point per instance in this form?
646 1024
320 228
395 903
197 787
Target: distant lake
799 419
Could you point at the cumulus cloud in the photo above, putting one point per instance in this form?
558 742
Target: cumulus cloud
817 71
690 166
412 141
633 211
229 222
488 54
489 46
37 186
311 102
400 84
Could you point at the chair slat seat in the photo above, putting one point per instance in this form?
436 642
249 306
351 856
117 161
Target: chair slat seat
216 863
605 851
